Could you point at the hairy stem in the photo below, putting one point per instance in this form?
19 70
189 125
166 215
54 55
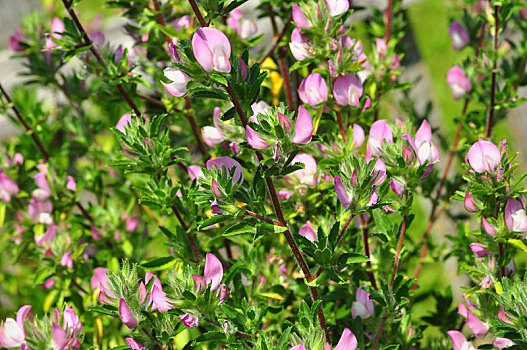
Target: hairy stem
366 245
263 218
341 125
378 334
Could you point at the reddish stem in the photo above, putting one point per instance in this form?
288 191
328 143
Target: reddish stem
190 237
493 76
399 246
388 18
378 334
341 125
344 229
369 271
263 218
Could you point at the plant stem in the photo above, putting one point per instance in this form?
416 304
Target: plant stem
263 218
276 203
435 204
388 19
161 19
28 128
341 125
493 76
367 252
189 234
98 55
198 14
344 229
278 39
399 245
378 334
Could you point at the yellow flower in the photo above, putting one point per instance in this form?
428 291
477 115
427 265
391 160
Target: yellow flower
276 79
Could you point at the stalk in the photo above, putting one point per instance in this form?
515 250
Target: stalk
493 76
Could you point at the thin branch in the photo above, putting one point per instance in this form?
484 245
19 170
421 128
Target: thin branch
341 125
493 76
278 39
190 237
388 18
285 76
378 334
263 218
344 229
399 245
369 271
198 14
98 55
28 128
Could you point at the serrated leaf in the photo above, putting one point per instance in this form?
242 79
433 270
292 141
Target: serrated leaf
214 220
159 263
239 229
104 310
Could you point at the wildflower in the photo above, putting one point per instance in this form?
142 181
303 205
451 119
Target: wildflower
254 139
179 80
12 333
459 35
470 205
362 306
347 90
459 342
212 50
458 81
313 89
244 25
484 156
299 45
337 7
8 188
300 18
308 231
126 315
515 217
308 174
380 132
70 183
303 127
473 322
188 320
229 164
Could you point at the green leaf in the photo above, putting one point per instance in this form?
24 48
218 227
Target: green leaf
159 263
105 310
214 220
209 336
353 258
518 244
239 229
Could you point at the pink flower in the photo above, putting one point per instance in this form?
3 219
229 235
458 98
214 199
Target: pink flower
473 322
71 320
380 132
124 122
132 224
308 174
347 90
57 27
284 194
194 171
459 342
212 50
308 231
347 341
15 39
179 80
479 250
458 81
502 343
503 317
59 337
397 187
8 188
487 226
213 271
484 156
189 320
313 90
157 298
126 315
379 172
12 333
299 45
229 164
47 237
134 344
254 139
244 25
298 347
257 108
515 217
303 127
212 135
345 198
99 277
300 18
362 306
470 205
67 260
181 23
40 211
459 35
337 7
70 183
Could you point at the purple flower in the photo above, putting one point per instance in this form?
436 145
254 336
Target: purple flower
229 164
300 18
515 217
337 7
459 35
313 90
479 250
40 211
15 39
303 127
244 25
213 271
308 231
379 172
380 132
194 171
484 156
458 81
157 298
298 347
59 337
254 139
459 342
347 90
57 27
179 80
501 343
470 205
212 50
189 320
362 306
299 45
126 315
347 341
345 198
181 23
99 277
8 188
308 174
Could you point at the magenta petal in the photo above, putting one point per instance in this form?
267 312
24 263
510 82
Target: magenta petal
303 127
299 18
228 163
21 315
99 277
484 156
423 134
487 226
199 283
60 338
134 344
358 135
126 315
479 250
308 232
213 271
458 81
502 343
397 187
347 341
457 339
459 35
298 347
344 197
284 122
188 320
347 90
515 217
160 300
469 202
476 326
254 139
379 172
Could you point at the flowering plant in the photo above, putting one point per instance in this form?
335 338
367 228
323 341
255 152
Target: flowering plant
216 184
